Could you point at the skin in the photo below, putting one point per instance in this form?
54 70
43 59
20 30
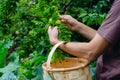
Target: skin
89 50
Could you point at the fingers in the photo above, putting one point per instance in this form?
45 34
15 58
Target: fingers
53 32
56 27
49 29
65 17
52 29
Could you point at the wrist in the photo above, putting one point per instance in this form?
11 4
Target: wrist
79 26
54 41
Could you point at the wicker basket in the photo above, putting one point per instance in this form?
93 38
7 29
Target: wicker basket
68 69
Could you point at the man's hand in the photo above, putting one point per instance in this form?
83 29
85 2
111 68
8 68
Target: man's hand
69 21
77 26
53 35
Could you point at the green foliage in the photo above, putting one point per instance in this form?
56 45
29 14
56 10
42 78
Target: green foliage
4 46
8 71
8 76
92 18
24 42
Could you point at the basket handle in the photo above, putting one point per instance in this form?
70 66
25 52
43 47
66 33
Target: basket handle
51 53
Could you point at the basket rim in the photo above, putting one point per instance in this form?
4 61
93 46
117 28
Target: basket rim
64 69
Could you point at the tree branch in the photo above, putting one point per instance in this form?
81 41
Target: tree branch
65 8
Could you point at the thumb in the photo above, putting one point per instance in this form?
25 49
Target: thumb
56 27
49 29
63 17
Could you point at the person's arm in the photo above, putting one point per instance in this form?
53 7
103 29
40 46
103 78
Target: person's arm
79 27
86 31
90 50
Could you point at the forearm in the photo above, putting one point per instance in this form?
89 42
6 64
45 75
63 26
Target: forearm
77 49
90 51
75 25
86 31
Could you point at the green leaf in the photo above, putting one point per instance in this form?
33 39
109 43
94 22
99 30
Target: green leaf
85 19
8 76
12 66
8 43
4 46
37 60
82 15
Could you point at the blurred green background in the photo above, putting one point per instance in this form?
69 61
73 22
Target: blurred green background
24 43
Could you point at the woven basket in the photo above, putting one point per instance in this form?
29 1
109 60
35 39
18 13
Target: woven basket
68 69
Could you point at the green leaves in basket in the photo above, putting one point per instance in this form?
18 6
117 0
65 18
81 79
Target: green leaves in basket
59 55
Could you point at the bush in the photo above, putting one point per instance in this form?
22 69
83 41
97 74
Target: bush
23 28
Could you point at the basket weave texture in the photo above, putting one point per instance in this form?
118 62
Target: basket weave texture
68 69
